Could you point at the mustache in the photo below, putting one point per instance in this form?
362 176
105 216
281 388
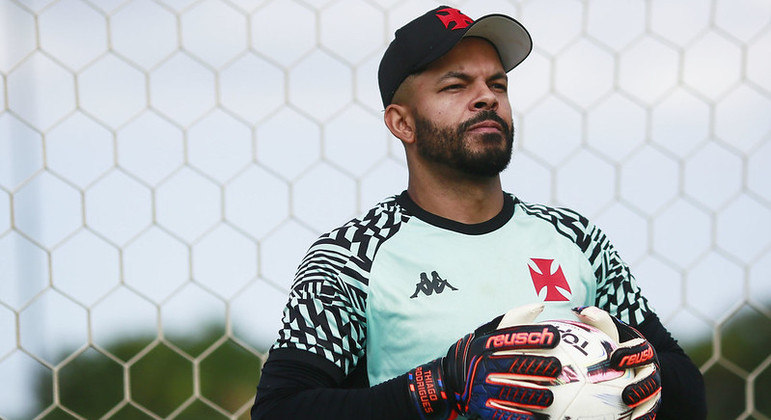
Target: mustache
487 115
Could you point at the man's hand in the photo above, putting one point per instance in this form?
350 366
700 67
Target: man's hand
475 379
634 352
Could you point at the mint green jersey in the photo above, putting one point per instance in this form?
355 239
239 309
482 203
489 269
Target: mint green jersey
397 286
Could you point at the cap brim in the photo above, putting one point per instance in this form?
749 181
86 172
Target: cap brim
510 38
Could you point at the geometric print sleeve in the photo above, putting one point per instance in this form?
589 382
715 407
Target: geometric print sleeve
325 312
320 317
617 290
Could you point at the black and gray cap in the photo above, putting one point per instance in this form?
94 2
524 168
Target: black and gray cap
430 36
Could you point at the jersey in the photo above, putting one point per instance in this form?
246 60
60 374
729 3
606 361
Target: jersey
394 288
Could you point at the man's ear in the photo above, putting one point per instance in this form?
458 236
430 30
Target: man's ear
400 122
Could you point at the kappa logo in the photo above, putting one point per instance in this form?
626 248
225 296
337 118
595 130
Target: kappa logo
555 282
428 287
449 16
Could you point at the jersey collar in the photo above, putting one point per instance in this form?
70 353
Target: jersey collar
488 226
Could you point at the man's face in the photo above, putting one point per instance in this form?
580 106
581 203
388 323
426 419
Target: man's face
462 111
490 156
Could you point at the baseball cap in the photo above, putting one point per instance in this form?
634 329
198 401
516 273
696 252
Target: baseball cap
430 36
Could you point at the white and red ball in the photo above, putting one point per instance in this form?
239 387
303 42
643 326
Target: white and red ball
587 388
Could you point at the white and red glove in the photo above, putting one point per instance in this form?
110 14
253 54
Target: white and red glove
634 352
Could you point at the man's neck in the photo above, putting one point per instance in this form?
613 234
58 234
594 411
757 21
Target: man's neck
462 199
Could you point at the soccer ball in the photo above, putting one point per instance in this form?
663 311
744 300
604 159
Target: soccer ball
587 388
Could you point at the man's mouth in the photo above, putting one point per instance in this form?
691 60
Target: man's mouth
488 126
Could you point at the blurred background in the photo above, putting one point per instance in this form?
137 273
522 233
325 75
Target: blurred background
164 164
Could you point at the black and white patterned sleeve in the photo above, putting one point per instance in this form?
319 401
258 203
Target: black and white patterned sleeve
325 314
617 289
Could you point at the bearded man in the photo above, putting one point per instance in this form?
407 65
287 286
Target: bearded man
377 302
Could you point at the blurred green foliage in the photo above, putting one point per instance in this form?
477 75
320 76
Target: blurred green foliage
160 375
161 369
105 378
140 375
744 345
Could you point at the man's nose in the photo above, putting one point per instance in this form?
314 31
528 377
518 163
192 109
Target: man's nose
485 99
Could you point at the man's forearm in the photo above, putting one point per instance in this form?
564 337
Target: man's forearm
683 392
291 390
683 395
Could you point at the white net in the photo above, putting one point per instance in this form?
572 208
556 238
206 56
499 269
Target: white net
164 164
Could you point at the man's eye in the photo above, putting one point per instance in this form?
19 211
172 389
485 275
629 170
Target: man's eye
500 86
453 87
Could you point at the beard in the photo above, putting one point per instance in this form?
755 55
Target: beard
447 146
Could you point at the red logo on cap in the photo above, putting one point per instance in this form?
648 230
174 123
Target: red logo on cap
449 16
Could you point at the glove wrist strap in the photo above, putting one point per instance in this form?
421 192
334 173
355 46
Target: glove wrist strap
428 392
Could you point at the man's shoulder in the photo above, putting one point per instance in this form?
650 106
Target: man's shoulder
553 214
350 248
377 223
383 215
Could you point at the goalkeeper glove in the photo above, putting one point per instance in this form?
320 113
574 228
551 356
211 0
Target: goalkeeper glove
634 352
475 379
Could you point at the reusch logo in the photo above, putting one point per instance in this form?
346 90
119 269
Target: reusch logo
428 287
450 15
637 359
543 338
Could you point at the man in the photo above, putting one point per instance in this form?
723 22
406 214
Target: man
377 302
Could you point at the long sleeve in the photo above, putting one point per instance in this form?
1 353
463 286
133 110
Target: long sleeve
683 395
297 384
683 392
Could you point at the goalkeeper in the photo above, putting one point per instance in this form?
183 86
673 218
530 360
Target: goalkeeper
383 319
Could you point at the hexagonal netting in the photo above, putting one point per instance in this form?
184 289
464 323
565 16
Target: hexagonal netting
164 164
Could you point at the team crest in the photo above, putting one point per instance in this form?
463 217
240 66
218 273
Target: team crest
547 274
453 18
